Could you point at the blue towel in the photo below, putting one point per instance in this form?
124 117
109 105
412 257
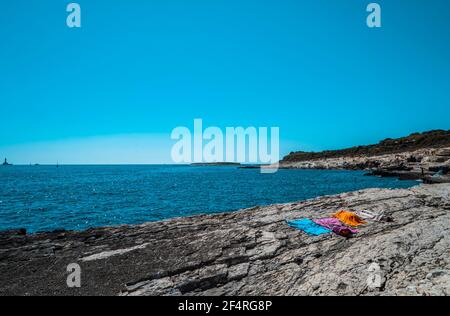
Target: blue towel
309 227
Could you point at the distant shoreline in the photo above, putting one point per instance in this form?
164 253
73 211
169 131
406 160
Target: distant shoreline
215 164
419 156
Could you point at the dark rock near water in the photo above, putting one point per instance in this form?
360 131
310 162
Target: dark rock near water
402 175
444 169
14 232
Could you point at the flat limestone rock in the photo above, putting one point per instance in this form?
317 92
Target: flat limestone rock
250 252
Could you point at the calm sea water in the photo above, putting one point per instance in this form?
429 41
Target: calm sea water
44 198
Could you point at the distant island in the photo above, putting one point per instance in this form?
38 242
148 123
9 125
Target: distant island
215 164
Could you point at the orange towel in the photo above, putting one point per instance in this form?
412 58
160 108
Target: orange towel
349 218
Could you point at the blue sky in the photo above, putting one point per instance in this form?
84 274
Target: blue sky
138 69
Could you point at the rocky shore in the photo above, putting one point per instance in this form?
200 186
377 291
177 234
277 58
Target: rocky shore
250 252
418 156
431 165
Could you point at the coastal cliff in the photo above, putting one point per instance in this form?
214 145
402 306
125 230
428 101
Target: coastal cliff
250 252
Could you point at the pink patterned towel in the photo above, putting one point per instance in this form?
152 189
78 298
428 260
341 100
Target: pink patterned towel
336 226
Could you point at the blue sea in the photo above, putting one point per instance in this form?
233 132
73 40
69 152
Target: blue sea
46 198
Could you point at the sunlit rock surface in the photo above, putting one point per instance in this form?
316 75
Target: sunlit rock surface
250 252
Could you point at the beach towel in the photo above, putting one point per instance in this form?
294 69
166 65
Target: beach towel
308 226
336 226
372 216
349 218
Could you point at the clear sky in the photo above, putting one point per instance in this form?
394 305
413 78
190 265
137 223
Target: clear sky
112 91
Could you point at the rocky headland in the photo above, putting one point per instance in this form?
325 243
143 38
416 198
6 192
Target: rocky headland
250 252
424 156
